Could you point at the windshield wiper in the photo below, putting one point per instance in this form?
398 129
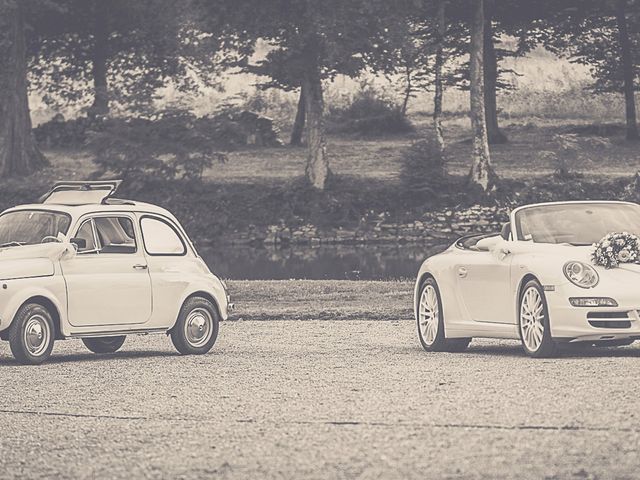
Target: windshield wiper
12 244
576 244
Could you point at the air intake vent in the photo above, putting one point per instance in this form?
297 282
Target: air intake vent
608 315
610 323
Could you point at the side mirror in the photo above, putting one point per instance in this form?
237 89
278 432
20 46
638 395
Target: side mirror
79 243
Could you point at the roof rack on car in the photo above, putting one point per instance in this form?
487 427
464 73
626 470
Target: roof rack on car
80 192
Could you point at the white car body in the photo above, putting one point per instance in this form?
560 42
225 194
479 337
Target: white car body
104 293
480 288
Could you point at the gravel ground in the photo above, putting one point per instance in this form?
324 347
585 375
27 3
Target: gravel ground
319 399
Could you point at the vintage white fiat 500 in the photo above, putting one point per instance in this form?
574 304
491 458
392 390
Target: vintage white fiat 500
82 264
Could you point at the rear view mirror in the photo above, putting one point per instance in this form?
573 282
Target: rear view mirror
79 242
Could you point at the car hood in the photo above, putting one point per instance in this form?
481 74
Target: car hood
30 261
547 260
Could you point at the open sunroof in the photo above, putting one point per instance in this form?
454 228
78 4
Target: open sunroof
80 192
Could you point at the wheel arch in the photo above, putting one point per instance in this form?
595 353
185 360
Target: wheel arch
416 297
51 307
206 295
523 281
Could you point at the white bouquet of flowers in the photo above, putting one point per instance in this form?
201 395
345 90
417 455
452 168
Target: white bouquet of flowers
616 248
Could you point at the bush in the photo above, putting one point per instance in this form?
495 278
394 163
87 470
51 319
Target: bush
59 132
423 169
368 115
272 103
177 146
230 129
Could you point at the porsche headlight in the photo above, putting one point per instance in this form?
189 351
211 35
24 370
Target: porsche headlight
581 274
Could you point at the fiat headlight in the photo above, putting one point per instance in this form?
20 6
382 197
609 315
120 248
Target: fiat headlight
581 274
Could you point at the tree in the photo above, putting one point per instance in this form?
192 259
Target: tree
101 53
308 42
441 30
481 174
298 124
491 78
603 35
626 58
19 154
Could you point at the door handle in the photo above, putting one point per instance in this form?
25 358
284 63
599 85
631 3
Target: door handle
140 267
462 272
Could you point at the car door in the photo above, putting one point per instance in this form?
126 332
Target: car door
108 282
172 265
483 285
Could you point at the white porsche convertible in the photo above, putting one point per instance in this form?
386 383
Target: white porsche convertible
535 281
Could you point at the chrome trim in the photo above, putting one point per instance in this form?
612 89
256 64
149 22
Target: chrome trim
112 333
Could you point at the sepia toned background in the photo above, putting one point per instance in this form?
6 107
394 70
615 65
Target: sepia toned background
317 152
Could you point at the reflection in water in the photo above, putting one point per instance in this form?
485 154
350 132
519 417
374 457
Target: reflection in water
335 262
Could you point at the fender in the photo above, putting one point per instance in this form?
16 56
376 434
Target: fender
19 291
212 289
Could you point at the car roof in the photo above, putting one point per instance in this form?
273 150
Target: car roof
112 205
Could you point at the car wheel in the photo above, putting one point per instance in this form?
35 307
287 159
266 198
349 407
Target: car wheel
196 330
32 334
533 322
431 322
104 344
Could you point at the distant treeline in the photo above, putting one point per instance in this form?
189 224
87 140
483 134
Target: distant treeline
108 53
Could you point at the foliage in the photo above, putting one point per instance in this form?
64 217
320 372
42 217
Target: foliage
230 129
405 49
368 115
588 35
140 151
59 132
148 44
273 103
423 170
295 34
569 150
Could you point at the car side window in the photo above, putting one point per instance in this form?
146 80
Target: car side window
160 238
115 234
85 232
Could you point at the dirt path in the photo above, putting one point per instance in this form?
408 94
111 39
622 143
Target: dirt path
331 399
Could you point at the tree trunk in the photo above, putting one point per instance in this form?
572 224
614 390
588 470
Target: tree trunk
481 173
317 170
100 105
627 70
19 154
408 90
298 124
439 63
491 79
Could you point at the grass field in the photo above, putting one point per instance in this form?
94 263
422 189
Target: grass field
321 300
380 159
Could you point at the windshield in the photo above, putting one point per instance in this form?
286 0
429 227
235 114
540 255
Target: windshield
28 227
577 223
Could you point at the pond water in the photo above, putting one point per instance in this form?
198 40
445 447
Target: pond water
335 262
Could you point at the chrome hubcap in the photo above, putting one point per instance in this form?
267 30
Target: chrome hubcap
198 327
36 335
428 314
532 319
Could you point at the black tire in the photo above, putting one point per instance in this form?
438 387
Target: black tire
32 334
546 346
437 342
196 329
104 344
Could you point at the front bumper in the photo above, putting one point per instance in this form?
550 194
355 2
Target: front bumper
571 323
